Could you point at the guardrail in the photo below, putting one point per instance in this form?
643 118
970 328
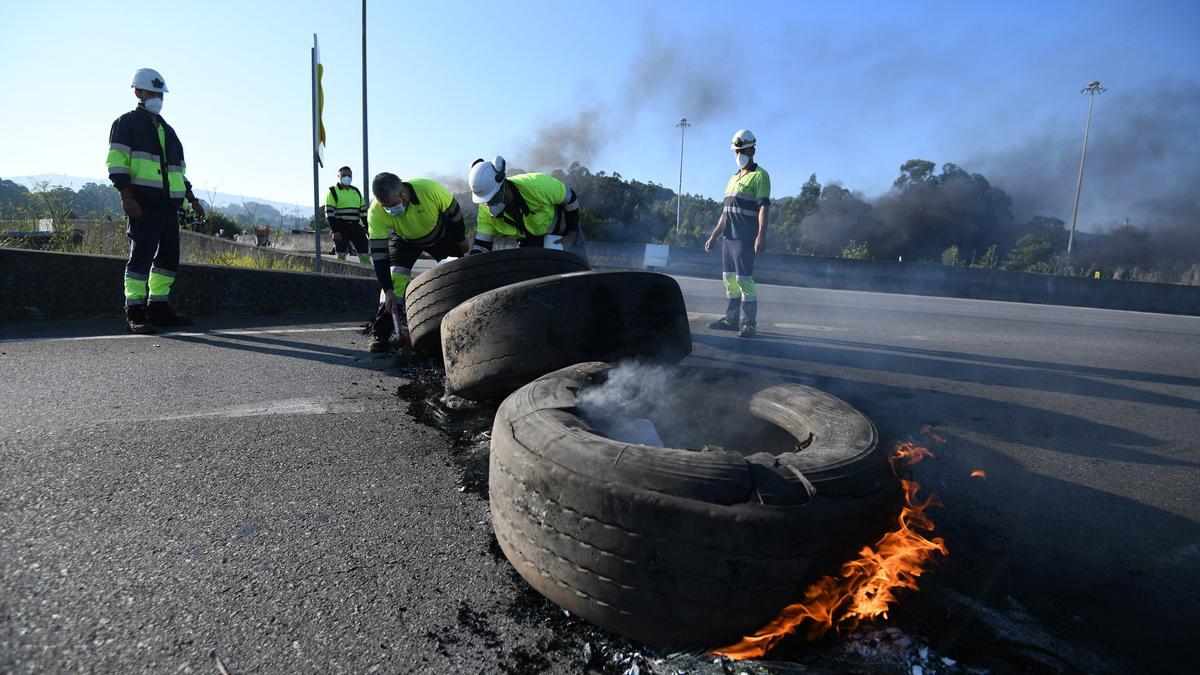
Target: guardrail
882 276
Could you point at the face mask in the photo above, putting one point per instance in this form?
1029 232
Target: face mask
153 105
397 210
346 180
496 209
743 160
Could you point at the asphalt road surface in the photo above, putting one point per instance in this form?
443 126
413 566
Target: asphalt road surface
254 492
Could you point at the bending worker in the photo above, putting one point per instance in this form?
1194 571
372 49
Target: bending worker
408 218
743 224
145 164
346 213
533 208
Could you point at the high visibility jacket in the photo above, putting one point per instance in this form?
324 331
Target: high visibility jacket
344 204
745 193
422 222
535 212
147 159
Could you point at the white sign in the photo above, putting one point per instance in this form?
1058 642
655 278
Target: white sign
656 255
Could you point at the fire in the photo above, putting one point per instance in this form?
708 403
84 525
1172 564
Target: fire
978 473
863 589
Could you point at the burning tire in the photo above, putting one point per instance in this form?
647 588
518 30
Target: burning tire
680 547
499 340
437 291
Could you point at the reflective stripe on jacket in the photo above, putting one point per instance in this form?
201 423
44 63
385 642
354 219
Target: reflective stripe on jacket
147 159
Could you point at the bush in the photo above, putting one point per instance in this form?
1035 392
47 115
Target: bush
857 251
989 260
950 256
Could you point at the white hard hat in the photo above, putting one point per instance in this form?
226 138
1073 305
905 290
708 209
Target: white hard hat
742 139
485 179
149 80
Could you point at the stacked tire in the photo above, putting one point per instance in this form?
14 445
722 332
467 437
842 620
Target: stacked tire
432 294
498 341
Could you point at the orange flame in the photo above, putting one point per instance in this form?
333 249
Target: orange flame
863 589
978 473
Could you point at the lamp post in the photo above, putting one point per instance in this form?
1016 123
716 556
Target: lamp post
1090 91
366 171
683 125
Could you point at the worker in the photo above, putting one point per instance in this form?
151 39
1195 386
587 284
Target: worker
534 208
145 164
408 217
743 220
346 213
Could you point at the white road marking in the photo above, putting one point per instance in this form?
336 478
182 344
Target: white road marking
805 326
126 336
290 406
692 316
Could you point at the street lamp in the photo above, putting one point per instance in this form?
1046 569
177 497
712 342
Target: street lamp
683 125
1090 91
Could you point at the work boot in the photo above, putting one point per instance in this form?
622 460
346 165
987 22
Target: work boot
135 320
377 344
722 324
747 331
161 315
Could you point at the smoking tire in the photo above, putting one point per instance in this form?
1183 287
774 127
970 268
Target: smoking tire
437 291
679 547
502 339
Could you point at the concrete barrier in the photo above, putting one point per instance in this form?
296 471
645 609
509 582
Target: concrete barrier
38 284
882 276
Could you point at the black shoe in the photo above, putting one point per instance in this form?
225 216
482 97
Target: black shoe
135 320
377 344
161 315
722 324
747 331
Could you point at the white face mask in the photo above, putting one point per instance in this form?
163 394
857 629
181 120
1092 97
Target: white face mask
153 105
743 160
346 180
496 209
397 210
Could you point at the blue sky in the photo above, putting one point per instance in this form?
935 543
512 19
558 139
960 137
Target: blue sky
846 90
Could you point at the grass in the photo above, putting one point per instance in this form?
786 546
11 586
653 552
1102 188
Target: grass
262 262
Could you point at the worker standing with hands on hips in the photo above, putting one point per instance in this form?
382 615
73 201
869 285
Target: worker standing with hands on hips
346 213
145 164
743 227
535 208
408 217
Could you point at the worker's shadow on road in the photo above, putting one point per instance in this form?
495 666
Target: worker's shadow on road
905 409
309 351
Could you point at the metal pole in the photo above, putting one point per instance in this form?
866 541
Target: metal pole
683 125
1091 90
366 172
316 178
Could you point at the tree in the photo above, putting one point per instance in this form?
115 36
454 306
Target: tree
914 172
14 200
1031 253
54 202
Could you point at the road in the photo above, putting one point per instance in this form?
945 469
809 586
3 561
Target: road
255 490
